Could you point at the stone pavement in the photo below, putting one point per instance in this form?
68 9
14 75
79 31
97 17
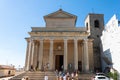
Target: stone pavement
7 78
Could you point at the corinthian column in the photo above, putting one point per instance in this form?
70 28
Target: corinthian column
40 54
86 58
65 54
27 56
51 55
35 56
75 54
33 50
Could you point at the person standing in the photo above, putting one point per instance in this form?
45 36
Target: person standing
64 77
46 77
72 75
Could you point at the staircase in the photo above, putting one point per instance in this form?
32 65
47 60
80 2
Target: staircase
86 76
37 75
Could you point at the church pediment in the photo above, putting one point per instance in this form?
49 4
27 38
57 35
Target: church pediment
60 14
60 18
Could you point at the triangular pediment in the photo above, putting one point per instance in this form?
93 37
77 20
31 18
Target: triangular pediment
60 14
60 18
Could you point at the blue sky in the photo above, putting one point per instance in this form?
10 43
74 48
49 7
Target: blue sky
18 16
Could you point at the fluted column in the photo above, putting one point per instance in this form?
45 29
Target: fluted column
65 54
27 56
86 58
76 54
35 56
83 68
32 54
51 55
40 54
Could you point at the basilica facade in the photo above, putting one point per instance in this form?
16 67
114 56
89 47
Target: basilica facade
63 46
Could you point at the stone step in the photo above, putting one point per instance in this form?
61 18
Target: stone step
37 75
85 76
19 76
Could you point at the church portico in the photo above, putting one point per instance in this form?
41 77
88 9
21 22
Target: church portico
61 48
45 51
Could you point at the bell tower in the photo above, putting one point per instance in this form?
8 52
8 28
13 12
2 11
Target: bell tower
95 25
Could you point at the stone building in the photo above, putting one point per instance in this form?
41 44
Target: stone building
62 45
95 24
6 70
111 44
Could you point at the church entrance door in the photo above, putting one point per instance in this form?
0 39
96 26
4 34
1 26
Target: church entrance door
59 62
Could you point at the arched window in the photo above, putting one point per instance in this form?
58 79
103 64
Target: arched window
96 24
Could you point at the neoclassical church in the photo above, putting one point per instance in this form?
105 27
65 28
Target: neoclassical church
63 46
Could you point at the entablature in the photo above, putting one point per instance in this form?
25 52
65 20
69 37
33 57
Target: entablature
59 29
59 34
56 38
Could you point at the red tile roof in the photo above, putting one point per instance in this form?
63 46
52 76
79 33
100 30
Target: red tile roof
6 67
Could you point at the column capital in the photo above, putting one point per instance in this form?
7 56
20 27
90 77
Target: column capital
32 40
75 38
51 42
65 39
85 40
51 39
90 40
41 39
29 39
